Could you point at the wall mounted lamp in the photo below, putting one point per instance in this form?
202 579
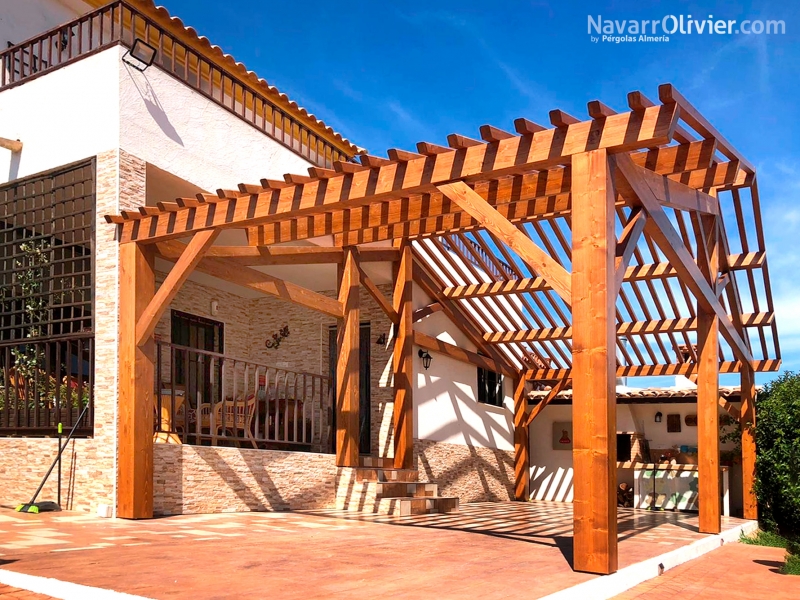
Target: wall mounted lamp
140 56
381 341
426 358
658 417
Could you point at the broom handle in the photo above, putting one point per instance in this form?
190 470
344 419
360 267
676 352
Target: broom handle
60 451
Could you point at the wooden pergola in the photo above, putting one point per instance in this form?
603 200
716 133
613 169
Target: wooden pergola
628 244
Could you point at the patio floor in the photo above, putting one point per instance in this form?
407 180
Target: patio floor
476 552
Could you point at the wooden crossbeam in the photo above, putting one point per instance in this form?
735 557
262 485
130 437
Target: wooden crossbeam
729 408
660 229
426 311
455 313
626 245
669 193
227 270
383 303
279 255
760 366
654 327
484 362
751 260
189 258
554 391
544 149
537 259
668 94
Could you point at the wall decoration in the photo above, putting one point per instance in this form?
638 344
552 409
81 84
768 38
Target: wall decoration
278 337
562 435
690 420
673 423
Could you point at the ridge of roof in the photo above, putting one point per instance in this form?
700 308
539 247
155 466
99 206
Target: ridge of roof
216 53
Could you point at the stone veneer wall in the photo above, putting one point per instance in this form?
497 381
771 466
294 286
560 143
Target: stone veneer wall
203 479
471 473
89 465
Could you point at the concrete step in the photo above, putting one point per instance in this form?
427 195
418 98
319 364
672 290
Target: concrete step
383 474
403 489
403 507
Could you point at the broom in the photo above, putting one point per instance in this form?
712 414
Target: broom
48 506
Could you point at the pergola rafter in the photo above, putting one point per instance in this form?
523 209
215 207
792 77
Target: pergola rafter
590 250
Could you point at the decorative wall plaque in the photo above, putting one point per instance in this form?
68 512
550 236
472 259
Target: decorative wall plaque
690 420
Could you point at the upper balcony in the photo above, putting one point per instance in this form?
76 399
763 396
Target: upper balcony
188 58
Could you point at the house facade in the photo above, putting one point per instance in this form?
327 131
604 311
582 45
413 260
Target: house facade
193 121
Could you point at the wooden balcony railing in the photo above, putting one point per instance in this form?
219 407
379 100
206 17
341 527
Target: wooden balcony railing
206 398
121 23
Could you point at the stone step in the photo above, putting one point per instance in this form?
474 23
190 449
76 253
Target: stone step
376 462
403 507
403 489
383 474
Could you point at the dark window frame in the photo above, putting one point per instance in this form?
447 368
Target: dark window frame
490 388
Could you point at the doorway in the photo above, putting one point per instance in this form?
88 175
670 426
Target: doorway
364 407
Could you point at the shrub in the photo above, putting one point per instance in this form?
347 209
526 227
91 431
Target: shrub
778 451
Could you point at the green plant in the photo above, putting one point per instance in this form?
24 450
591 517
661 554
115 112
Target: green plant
777 435
792 565
764 538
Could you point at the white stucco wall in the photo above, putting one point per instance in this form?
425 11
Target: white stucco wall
445 397
168 124
24 19
63 116
551 470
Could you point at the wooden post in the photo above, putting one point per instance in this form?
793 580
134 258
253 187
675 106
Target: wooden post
136 372
347 366
594 364
708 389
403 362
521 443
748 421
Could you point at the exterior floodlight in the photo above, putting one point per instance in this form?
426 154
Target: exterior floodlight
140 56
426 358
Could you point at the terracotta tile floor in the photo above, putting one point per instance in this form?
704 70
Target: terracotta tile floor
10 593
473 553
734 572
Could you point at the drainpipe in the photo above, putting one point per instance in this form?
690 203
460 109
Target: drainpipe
13 145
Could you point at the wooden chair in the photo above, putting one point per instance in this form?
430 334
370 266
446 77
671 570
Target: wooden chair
167 425
231 416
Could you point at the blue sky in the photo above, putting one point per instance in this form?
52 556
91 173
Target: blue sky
389 74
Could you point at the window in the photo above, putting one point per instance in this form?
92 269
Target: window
623 447
490 387
194 332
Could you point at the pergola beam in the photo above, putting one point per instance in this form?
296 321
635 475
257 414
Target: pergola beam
660 229
766 365
653 327
279 255
751 260
191 255
222 268
518 154
537 259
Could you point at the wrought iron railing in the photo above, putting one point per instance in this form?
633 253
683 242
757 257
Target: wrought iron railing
207 398
121 23
45 382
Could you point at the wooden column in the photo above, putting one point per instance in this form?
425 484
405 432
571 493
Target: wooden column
594 364
748 421
136 373
347 366
521 443
708 391
403 362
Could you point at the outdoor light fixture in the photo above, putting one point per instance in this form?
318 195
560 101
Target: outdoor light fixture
426 358
658 417
381 339
140 56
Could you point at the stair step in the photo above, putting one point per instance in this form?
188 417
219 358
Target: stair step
383 474
376 462
404 489
403 507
